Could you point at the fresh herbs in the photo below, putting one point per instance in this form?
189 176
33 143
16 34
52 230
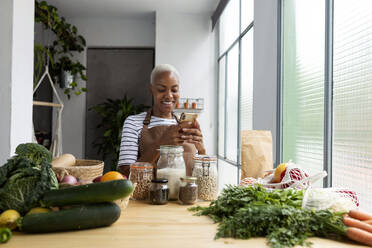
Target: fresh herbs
277 215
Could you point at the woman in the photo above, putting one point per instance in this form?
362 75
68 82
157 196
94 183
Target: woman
144 133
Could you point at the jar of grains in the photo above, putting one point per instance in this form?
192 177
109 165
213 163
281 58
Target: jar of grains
159 191
141 173
188 193
205 170
172 167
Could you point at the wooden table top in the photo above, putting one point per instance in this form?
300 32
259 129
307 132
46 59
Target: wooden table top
149 226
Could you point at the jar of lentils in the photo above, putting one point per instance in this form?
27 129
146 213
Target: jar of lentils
159 191
141 174
205 170
188 192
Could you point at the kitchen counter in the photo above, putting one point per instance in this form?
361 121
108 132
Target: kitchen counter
148 226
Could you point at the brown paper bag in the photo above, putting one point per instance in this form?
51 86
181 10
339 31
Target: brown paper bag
257 153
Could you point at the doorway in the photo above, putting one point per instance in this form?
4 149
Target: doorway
112 74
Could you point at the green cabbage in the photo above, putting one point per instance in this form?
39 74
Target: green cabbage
23 182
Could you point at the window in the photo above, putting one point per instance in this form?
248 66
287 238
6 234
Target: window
306 110
235 84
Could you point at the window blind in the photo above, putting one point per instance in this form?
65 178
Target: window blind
352 98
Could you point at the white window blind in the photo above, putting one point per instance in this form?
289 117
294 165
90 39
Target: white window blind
221 107
352 98
303 82
229 26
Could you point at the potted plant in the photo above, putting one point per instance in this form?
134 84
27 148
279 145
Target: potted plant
67 41
113 113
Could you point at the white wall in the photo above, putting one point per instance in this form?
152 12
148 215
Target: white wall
16 74
100 32
265 67
186 41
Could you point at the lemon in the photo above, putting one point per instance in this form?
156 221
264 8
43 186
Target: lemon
8 219
278 172
38 210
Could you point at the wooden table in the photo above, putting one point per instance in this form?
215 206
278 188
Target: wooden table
148 226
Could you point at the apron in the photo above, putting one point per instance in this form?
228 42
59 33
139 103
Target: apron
148 142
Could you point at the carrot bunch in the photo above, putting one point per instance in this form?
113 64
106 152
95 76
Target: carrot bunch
359 226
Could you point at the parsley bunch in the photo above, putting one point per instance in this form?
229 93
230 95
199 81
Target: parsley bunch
277 215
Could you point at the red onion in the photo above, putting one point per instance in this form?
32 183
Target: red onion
69 180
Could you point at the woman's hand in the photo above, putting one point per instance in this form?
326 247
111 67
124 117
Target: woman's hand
173 135
192 134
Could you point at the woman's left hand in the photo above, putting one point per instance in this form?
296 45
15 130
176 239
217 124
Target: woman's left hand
193 135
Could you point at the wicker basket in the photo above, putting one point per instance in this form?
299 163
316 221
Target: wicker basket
83 169
123 203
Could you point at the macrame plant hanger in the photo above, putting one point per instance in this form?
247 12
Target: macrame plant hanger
56 145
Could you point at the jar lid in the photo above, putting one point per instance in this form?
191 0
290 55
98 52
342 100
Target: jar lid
206 158
170 149
141 165
159 180
189 179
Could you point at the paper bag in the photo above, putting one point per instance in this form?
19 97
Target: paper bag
257 153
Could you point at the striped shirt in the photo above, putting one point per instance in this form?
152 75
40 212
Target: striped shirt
131 135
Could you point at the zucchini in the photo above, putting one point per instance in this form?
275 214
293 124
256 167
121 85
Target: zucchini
89 193
75 218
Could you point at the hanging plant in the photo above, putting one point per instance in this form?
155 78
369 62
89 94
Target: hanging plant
67 41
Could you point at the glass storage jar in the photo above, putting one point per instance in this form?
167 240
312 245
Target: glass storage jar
172 167
141 174
188 192
159 191
205 170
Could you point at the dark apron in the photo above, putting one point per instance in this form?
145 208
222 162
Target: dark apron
148 142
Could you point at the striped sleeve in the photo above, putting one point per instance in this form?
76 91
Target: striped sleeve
129 143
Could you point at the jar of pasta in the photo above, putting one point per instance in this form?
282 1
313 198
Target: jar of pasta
205 170
141 174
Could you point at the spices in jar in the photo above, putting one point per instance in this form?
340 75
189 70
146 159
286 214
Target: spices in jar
171 166
141 174
188 192
205 170
193 105
159 191
186 104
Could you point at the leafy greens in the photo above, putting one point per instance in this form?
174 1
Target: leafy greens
245 212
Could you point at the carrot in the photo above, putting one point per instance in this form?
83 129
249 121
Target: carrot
368 222
360 215
359 235
351 222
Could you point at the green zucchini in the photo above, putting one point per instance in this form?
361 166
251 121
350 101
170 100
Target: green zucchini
75 218
89 193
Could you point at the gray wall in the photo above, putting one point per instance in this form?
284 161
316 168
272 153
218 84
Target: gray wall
265 67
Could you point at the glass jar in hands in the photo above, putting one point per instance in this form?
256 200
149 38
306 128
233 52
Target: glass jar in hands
172 167
141 174
188 193
159 191
205 170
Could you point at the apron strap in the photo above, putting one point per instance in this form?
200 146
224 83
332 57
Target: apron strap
147 119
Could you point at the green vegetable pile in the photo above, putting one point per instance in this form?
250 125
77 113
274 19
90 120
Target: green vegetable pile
25 177
245 212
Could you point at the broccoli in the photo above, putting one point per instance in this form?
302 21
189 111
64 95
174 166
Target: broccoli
34 152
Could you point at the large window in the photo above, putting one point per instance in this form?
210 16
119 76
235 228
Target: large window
235 84
334 130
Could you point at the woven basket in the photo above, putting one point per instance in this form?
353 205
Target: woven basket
123 203
83 169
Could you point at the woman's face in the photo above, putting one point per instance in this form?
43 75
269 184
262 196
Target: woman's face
165 92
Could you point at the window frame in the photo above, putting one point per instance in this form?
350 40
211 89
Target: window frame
225 54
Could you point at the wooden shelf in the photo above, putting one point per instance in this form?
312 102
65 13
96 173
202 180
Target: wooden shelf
189 110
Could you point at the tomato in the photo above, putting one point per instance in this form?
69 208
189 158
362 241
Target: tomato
112 175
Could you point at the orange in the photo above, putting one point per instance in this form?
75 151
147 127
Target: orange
112 175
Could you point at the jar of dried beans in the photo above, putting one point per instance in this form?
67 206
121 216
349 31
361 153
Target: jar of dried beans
141 174
205 170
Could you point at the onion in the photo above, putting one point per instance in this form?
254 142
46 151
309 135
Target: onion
97 179
69 180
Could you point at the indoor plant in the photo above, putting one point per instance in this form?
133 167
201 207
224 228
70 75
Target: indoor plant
113 113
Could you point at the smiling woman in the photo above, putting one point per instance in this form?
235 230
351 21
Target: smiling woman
144 133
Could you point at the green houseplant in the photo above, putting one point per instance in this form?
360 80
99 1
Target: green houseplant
113 114
60 53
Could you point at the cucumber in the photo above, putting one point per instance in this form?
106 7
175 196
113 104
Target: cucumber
75 218
89 193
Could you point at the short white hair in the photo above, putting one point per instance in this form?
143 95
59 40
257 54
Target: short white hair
164 68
